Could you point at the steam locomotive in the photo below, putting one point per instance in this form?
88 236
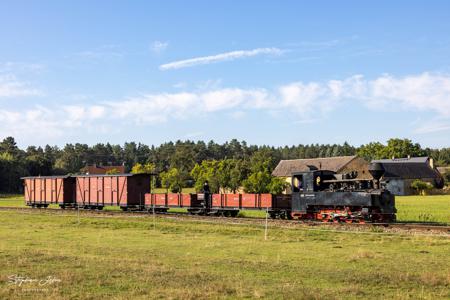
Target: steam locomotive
327 196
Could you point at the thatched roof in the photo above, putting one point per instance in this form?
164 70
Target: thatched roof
286 167
102 169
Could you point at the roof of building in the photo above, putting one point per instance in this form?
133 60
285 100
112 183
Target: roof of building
102 169
423 159
46 177
408 168
443 170
115 175
286 167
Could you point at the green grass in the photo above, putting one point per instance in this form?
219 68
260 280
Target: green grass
130 258
409 208
12 200
433 209
423 208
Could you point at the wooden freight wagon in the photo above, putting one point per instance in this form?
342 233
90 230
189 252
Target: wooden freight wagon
230 204
40 191
124 190
163 202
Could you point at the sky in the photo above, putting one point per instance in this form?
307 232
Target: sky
267 72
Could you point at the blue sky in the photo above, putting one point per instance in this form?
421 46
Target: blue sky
268 72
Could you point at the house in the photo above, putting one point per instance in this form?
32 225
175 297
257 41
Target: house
338 164
94 169
443 170
401 172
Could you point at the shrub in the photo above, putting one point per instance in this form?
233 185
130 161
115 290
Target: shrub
421 187
112 171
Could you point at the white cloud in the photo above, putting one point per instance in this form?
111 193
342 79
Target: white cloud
10 86
305 102
423 92
79 115
237 115
38 122
438 124
158 46
22 67
229 98
227 56
180 85
153 108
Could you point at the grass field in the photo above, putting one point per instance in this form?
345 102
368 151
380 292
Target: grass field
423 208
128 258
409 208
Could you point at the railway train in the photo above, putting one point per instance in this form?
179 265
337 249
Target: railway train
315 195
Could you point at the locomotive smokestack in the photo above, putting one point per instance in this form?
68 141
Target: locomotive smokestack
377 171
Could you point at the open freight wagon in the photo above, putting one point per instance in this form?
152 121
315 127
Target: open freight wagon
220 204
231 204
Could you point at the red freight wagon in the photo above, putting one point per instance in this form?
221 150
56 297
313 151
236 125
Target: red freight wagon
124 190
162 202
173 200
216 200
231 200
44 190
249 201
158 200
226 204
243 201
256 201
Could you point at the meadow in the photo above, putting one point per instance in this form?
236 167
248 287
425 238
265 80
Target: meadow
63 257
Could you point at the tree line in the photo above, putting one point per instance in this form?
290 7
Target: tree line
181 164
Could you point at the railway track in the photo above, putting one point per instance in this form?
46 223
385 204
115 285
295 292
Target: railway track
404 227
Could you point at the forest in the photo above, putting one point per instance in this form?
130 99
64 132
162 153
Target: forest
188 163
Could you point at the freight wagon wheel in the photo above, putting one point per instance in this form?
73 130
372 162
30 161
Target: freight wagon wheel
234 213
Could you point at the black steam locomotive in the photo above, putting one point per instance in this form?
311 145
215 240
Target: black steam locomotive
327 196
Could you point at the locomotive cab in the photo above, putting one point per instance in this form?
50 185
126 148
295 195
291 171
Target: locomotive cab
312 181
